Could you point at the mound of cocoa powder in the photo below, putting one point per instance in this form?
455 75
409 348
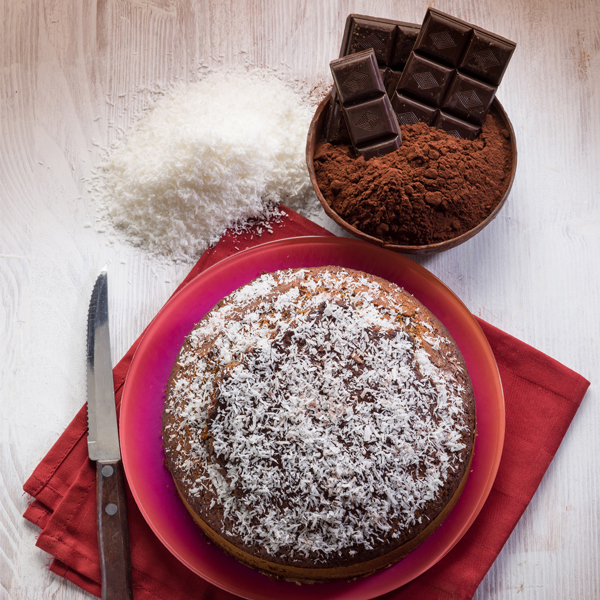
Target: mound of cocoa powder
433 188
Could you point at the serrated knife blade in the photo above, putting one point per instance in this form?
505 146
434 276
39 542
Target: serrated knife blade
104 449
103 436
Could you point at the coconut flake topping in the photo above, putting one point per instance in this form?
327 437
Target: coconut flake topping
318 416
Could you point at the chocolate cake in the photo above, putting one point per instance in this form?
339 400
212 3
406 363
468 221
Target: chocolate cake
319 423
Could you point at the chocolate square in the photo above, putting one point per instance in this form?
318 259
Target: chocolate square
356 77
487 56
409 111
371 120
405 40
455 126
442 37
367 33
424 79
468 98
379 148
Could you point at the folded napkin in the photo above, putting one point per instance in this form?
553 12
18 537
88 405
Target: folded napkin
541 398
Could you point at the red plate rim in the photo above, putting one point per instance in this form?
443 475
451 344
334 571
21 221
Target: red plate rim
143 398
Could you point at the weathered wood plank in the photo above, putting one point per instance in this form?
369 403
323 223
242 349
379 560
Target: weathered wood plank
74 76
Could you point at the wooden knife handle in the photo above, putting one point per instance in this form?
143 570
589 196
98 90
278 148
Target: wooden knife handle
113 534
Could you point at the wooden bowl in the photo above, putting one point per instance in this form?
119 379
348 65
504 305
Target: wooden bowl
315 136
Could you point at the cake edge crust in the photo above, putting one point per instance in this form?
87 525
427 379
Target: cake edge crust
321 574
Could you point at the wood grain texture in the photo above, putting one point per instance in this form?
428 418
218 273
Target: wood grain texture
73 75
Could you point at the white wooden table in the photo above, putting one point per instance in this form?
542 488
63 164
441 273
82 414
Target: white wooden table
73 74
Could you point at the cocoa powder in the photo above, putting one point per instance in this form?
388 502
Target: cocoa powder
433 188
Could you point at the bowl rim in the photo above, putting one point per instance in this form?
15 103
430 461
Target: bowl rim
315 137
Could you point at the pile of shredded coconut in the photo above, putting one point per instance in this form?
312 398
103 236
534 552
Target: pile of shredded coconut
333 406
209 156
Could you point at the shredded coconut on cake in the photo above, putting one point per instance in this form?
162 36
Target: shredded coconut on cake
217 154
322 428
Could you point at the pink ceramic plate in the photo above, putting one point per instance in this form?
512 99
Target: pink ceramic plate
143 397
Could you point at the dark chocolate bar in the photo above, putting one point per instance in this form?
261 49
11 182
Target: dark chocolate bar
454 68
446 64
335 125
367 110
482 54
392 42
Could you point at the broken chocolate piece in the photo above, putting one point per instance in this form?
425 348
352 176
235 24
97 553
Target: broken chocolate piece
456 67
366 108
392 42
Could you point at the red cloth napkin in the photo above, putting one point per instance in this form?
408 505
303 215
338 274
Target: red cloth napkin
541 397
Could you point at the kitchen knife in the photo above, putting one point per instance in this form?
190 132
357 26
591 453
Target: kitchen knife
103 448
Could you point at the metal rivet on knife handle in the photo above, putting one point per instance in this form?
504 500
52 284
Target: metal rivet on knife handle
111 509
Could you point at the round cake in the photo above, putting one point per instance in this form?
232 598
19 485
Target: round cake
319 423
